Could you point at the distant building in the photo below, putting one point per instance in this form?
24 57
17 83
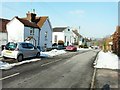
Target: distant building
77 37
64 34
37 30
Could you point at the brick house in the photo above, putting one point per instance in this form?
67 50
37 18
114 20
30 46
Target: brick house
116 41
3 31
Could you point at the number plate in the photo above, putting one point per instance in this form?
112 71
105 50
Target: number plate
8 52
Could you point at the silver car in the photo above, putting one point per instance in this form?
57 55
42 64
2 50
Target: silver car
20 50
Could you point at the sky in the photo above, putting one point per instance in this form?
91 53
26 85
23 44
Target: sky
95 19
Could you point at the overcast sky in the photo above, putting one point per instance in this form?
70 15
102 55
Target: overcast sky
96 19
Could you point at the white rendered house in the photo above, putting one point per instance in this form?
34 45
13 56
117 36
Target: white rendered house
36 30
64 34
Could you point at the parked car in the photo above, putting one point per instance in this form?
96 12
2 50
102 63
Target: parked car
59 47
20 50
54 46
71 48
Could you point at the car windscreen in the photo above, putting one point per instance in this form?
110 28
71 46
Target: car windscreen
11 46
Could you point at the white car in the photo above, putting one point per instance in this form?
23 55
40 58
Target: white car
20 50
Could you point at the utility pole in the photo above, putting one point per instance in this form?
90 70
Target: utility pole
78 36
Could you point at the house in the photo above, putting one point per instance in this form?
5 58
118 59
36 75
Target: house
87 41
63 34
77 37
3 31
116 41
33 29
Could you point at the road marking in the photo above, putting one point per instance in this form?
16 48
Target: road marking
47 64
9 76
57 60
50 62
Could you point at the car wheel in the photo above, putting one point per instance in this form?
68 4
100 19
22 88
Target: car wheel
20 58
38 55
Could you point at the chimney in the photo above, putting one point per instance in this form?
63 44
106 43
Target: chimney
31 16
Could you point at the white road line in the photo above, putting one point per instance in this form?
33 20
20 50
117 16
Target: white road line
9 76
57 60
46 63
50 62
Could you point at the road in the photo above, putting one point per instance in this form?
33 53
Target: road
70 70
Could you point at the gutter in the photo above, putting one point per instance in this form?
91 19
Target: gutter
92 84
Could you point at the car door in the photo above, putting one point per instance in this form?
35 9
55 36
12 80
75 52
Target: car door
32 50
25 50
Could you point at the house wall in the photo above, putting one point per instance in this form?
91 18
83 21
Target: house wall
69 37
3 39
60 36
116 41
48 39
15 31
35 36
80 41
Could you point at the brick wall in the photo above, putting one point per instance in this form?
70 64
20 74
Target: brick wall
116 41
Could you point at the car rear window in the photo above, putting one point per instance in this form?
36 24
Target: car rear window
11 46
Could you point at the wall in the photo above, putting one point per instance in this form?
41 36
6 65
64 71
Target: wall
3 39
70 37
46 40
35 36
15 31
116 41
60 36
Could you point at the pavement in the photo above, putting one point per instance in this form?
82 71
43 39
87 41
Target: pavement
107 79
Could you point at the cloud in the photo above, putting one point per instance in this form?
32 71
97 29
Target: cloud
77 12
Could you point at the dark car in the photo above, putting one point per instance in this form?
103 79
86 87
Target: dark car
59 47
71 48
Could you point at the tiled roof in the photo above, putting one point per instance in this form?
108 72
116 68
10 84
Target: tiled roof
39 20
59 29
3 23
75 31
88 40
27 23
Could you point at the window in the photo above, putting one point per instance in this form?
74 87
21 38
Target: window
24 45
30 46
70 39
65 38
46 33
11 46
31 31
55 40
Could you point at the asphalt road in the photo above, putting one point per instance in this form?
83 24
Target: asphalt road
70 70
